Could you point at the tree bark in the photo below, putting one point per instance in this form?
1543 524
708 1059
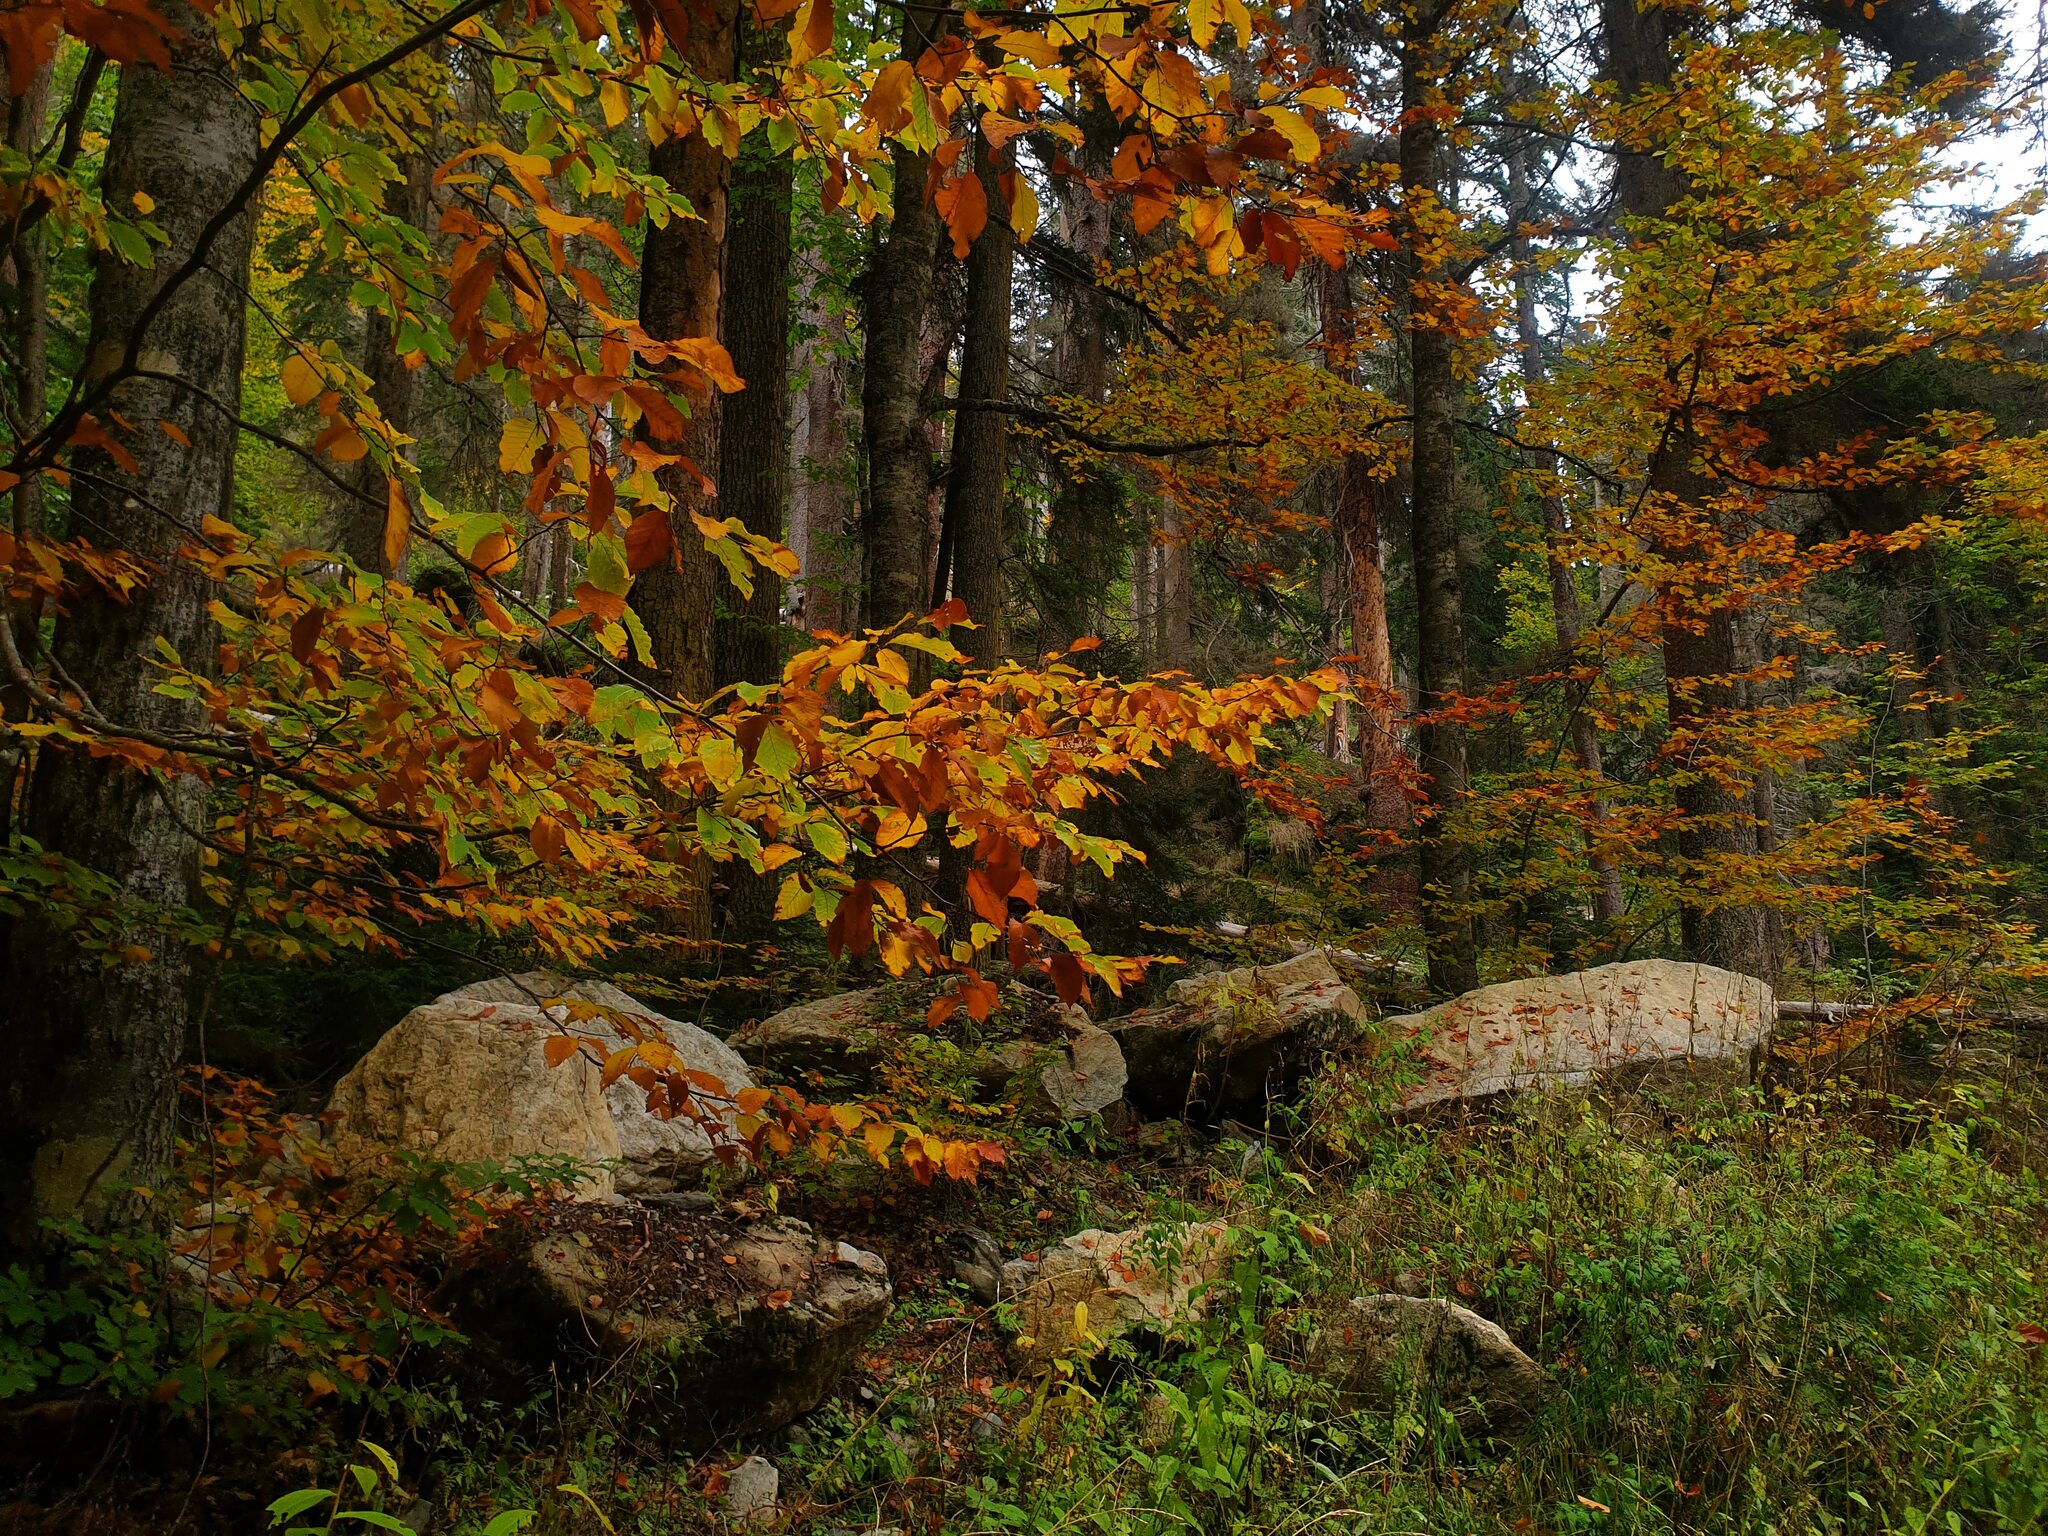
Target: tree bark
24 287
681 294
1175 608
1699 662
394 387
1080 528
895 523
1362 575
753 475
974 488
1444 865
831 578
89 1060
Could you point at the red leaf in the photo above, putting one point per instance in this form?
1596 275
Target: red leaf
306 633
649 541
1068 976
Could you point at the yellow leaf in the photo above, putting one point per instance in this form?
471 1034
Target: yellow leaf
612 96
518 444
1294 128
793 900
397 525
144 203
300 379
1023 209
878 1134
1033 46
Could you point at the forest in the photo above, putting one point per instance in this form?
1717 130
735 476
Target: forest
1123 766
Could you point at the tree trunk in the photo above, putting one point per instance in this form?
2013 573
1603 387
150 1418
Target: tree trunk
1080 529
895 522
753 466
24 287
1717 823
1357 524
1175 608
753 476
1608 902
974 489
1433 531
393 386
90 1057
681 294
830 575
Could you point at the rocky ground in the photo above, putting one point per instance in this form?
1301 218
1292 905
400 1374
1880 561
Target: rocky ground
1248 1247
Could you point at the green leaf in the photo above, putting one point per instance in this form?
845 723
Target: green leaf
377 1518
384 1459
297 1502
826 837
508 1521
777 756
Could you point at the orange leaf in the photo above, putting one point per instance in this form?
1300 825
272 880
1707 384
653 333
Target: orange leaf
306 633
963 203
649 541
342 443
560 1048
397 525
547 839
888 103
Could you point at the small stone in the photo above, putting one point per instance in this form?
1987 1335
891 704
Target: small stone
989 1427
680 1199
752 1492
1409 1283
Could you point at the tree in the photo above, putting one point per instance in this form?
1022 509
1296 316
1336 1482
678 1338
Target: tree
682 288
1435 308
89 1060
753 463
974 484
895 300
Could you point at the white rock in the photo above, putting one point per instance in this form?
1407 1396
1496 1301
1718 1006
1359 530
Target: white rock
466 1078
1563 1030
753 1492
1144 1278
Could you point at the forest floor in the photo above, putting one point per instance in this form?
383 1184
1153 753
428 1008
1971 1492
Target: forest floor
1822 1310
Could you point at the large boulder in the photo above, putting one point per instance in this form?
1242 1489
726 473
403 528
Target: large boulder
1228 1042
1146 1279
1383 1352
836 1035
1563 1030
745 1322
466 1077
1053 1062
1078 1075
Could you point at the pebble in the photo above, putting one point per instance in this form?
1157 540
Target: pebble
752 1492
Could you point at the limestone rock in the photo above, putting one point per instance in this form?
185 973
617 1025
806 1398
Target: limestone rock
1227 1043
753 1492
1145 1278
834 1034
466 1078
1082 1075
752 1321
1561 1030
1077 1072
1386 1350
